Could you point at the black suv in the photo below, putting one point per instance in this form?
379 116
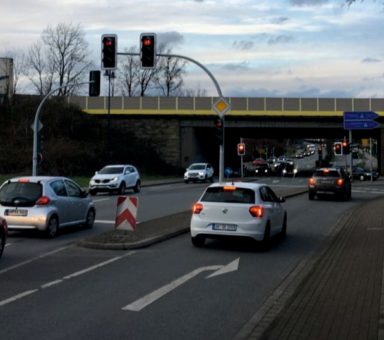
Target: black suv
334 181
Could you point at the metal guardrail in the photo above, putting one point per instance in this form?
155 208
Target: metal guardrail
239 105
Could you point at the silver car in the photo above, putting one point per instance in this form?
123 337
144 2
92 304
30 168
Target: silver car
45 204
248 210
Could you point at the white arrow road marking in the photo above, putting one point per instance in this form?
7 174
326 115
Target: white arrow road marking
146 300
230 267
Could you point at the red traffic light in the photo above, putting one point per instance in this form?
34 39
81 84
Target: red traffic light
219 123
241 149
148 50
109 51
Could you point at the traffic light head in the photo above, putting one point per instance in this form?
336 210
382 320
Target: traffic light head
108 51
241 149
219 125
346 148
338 148
94 83
148 50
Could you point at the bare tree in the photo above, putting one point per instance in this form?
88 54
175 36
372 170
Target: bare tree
128 75
60 59
170 77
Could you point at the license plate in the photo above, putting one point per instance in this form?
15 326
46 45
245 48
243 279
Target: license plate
16 212
224 227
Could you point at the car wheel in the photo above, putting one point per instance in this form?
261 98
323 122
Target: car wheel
198 241
137 187
283 233
90 220
2 242
266 243
211 179
93 192
52 227
122 188
311 196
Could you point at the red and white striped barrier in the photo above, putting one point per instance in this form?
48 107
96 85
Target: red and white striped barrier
126 212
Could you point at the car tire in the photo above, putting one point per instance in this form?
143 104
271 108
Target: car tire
2 243
93 192
90 219
137 187
311 196
266 242
122 188
52 227
211 179
283 233
186 181
198 241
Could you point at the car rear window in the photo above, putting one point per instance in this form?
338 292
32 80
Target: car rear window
331 173
221 195
20 193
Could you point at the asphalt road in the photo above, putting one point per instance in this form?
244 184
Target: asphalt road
50 289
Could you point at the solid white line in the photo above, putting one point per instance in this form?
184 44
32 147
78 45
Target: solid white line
109 222
143 302
33 259
17 297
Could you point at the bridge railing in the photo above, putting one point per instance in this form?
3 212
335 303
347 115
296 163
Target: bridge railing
239 105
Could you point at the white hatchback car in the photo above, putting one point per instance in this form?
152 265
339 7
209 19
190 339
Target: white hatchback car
115 178
238 209
199 172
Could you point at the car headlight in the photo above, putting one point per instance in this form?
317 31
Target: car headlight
114 179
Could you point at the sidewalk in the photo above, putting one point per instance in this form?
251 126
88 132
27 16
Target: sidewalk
339 293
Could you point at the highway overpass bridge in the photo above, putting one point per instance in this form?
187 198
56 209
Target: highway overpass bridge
182 128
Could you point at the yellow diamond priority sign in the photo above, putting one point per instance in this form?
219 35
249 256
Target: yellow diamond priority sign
221 106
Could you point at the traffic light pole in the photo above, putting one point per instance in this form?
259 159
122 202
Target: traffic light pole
221 152
36 127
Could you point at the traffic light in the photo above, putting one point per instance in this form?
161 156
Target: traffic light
94 83
338 148
108 51
148 50
219 125
241 149
346 148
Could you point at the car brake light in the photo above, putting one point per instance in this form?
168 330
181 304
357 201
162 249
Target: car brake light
257 211
229 188
43 200
312 181
340 182
197 208
23 180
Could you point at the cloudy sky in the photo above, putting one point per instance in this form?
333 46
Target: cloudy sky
256 48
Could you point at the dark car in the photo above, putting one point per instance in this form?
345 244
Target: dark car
3 234
330 181
364 174
262 169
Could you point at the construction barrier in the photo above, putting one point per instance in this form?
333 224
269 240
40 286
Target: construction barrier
126 213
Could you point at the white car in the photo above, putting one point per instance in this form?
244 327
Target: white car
199 172
115 178
250 210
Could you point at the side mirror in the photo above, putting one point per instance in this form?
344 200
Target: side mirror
281 199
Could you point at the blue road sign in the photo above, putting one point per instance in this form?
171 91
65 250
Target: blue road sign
360 115
360 124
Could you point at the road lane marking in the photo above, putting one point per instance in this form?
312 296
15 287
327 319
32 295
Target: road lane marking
109 222
34 259
17 297
67 277
148 299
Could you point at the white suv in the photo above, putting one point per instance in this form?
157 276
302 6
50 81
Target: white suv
115 178
199 172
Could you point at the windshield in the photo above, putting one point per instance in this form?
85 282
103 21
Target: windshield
20 193
197 167
110 170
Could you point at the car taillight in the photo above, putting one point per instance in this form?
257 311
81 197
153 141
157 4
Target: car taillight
340 182
311 181
256 211
197 208
43 200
